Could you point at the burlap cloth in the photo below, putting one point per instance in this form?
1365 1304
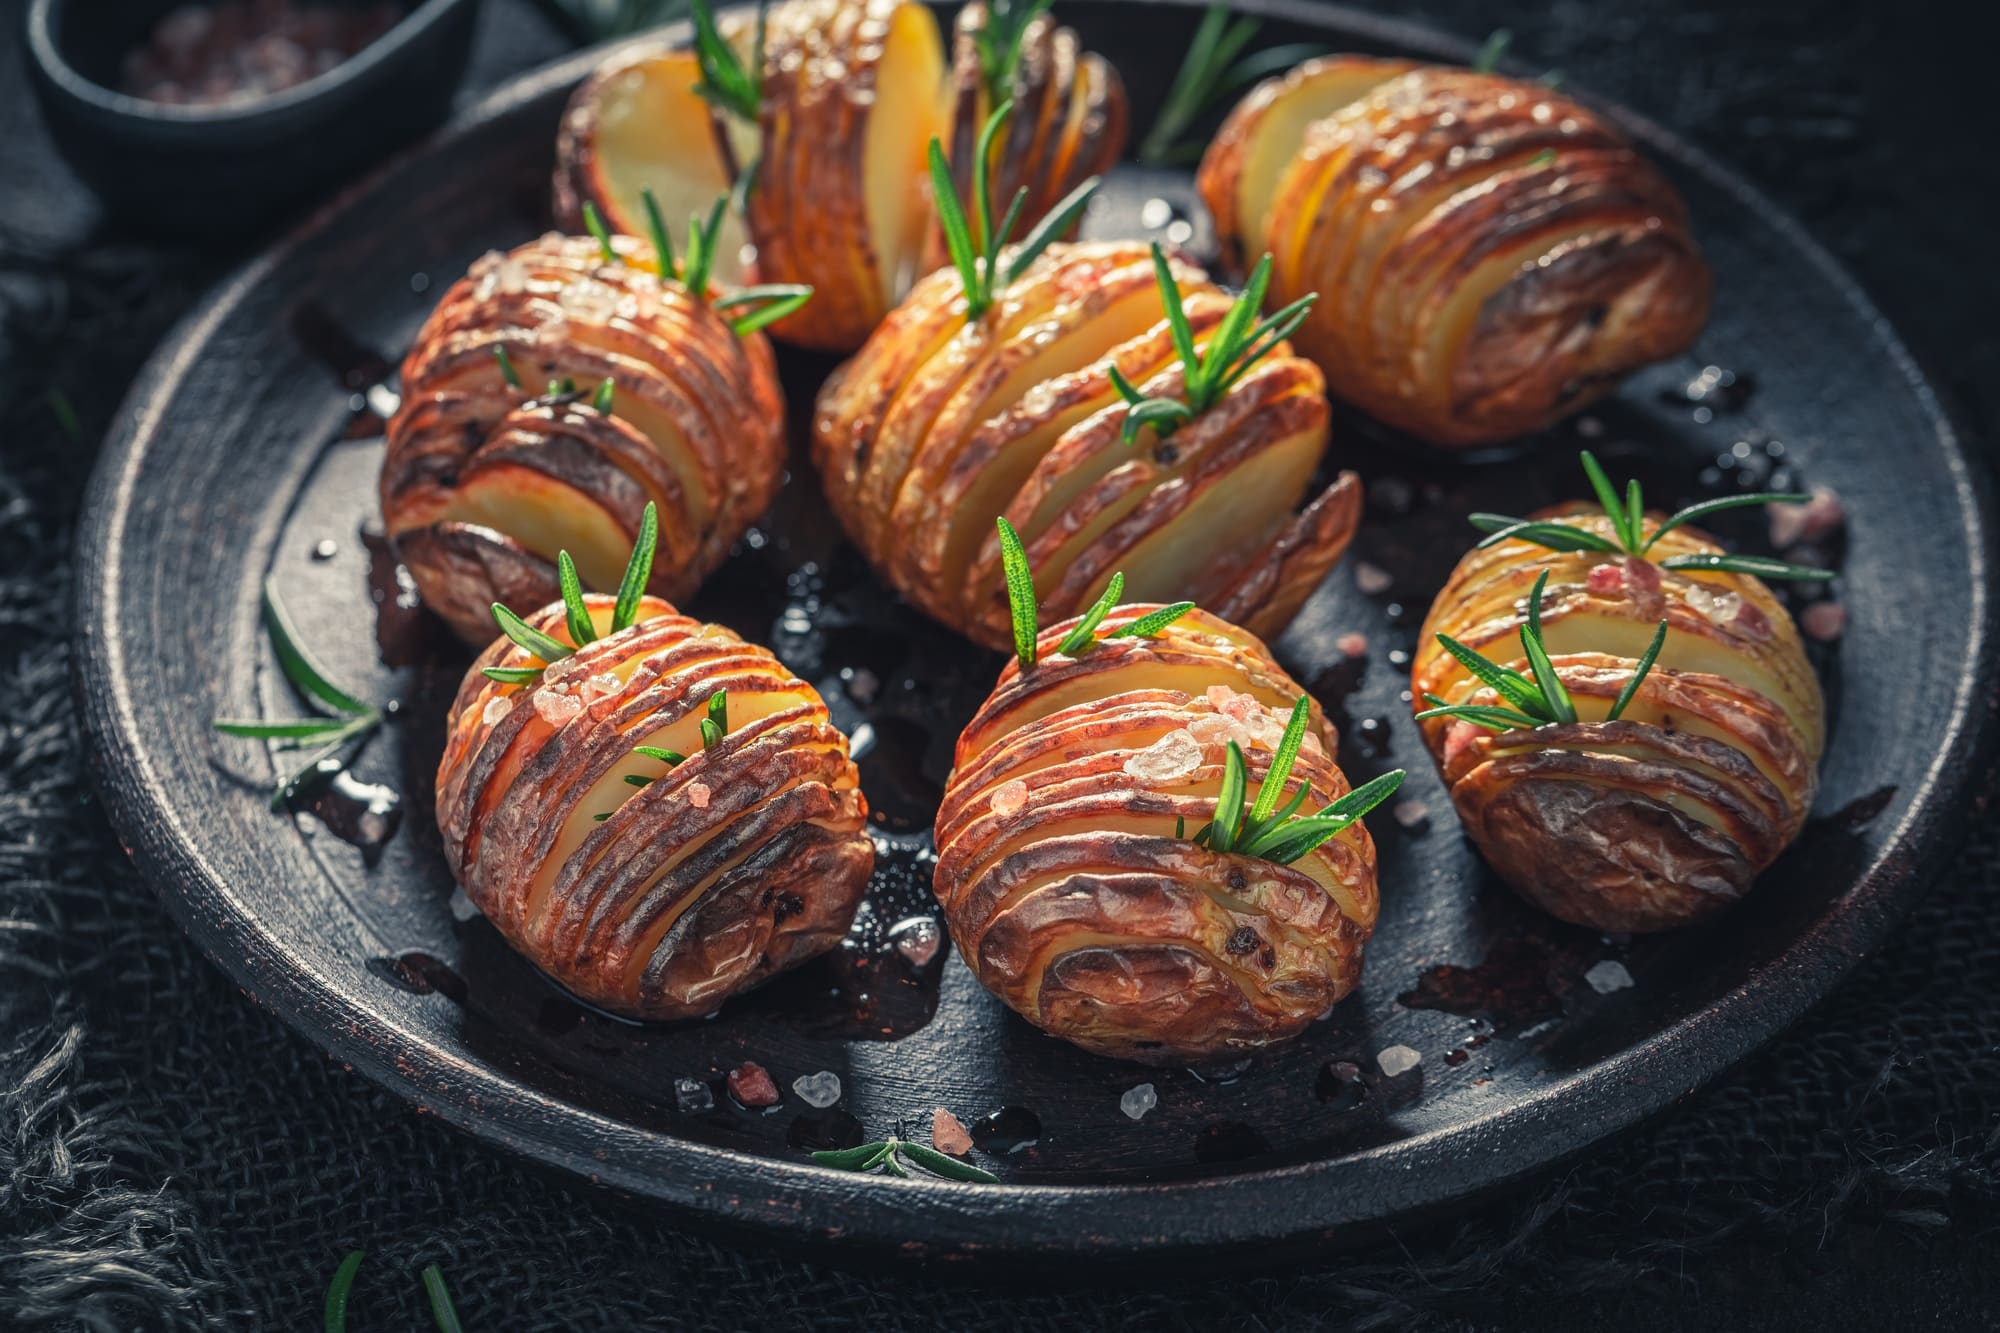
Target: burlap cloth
171 1156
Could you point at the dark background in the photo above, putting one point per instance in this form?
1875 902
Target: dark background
171 1156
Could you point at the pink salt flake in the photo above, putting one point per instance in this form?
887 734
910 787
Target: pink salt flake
1719 608
698 794
1215 729
1372 579
750 1084
496 708
556 708
1265 730
1819 517
1824 621
1243 708
1168 759
1352 645
1008 797
1410 813
1753 622
1642 575
1219 697
598 686
1605 580
948 1134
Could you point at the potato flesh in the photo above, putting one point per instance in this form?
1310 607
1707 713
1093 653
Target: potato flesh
1009 880
906 115
552 888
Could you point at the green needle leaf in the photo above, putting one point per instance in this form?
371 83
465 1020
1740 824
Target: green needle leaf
303 729
1607 499
1287 753
1762 566
299 668
716 725
1085 632
667 757
852 1159
507 371
701 246
1229 801
440 1298
1509 684
638 570
1294 840
1205 74
1549 535
1646 661
1150 624
602 399
957 238
513 675
1493 50
1021 602
663 241
528 637
1126 389
1553 691
1497 719
337 1291
1694 513
949 1167
1054 225
1177 320
595 222
1164 415
575 611
637 780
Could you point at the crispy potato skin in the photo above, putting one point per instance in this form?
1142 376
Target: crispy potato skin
1077 905
730 867
1666 815
938 424
485 481
1490 255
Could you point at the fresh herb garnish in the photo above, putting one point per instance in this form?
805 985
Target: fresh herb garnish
769 302
1025 612
442 1309
339 1288
352 721
1209 72
893 1154
1628 528
975 246
562 388
998 43
64 412
576 612
716 725
726 82
601 400
1538 699
1493 50
1238 343
1273 833
507 371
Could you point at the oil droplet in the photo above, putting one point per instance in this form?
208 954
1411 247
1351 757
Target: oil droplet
1007 1131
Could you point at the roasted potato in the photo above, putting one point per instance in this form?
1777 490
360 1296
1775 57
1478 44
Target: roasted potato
1666 814
488 477
655 901
1490 254
939 423
1073 897
1070 115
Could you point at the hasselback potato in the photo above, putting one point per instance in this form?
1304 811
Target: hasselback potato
835 119
1490 254
654 882
1076 862
942 422
508 448
1643 806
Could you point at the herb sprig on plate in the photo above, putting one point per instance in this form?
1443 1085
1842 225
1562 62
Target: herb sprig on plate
1025 609
1628 529
1239 342
345 721
576 613
763 304
998 43
894 1154
1539 698
339 1291
726 80
1209 72
974 245
1266 830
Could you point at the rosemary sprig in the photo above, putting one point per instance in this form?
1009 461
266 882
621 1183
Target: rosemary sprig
998 43
975 246
1493 50
774 301
726 82
1238 343
1538 699
338 1290
601 400
576 612
1628 527
1025 610
893 1154
1268 831
716 725
1209 72
507 371
442 1309
352 721
766 304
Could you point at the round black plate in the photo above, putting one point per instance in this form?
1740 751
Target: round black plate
247 450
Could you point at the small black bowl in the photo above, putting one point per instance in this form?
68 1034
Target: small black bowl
196 169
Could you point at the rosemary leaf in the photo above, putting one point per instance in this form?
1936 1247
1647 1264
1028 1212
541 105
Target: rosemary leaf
337 1291
1085 631
528 637
507 371
778 299
1607 498
949 1167
663 241
576 612
1694 513
1482 715
724 80
1544 533
1762 566
1229 800
1553 691
1493 50
1287 753
1177 320
513 675
595 222
298 666
1150 624
1199 82
701 247
638 570
1646 661
1509 684
957 237
442 1310
602 399
852 1159
1021 602
1292 841
667 757
1054 225
302 729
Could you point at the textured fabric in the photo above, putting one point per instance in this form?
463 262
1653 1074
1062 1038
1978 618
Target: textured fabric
170 1156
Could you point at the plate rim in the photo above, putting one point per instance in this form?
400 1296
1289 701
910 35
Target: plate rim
1380 1184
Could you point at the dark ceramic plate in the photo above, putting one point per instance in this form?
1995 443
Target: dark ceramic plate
248 449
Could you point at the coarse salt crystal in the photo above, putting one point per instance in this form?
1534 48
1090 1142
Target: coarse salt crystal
1824 621
1173 756
1138 1100
1642 575
596 687
1215 729
1608 976
462 907
556 709
1398 1060
1265 730
1819 517
1008 797
698 794
948 1134
496 708
819 1090
1219 696
1605 580
1719 607
1243 708
917 939
1352 645
1410 813
1372 579
750 1083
